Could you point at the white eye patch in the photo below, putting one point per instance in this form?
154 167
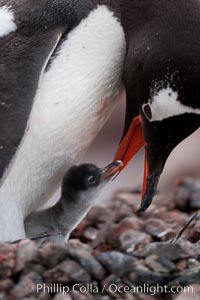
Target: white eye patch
7 24
164 104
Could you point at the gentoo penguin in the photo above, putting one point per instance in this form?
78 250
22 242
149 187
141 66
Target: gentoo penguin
162 81
60 75
81 187
62 64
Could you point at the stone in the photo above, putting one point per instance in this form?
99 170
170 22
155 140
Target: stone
86 260
3 296
67 272
7 260
194 233
62 297
130 250
90 233
140 276
127 197
179 250
116 262
24 288
98 214
176 218
187 278
160 264
188 194
27 252
190 292
157 228
193 263
132 222
52 254
82 296
76 244
130 239
6 284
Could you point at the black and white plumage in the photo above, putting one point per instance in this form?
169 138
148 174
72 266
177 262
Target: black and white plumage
62 65
58 87
81 188
161 77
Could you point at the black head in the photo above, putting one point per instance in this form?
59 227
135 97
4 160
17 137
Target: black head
162 79
81 178
88 176
172 110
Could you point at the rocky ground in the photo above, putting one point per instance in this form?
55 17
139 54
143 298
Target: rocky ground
113 254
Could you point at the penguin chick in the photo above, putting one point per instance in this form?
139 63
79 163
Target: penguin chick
81 187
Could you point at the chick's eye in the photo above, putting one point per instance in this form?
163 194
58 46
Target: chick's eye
92 179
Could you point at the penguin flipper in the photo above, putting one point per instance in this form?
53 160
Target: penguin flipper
18 85
24 54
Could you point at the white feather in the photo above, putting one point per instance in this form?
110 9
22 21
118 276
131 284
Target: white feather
165 104
7 24
75 98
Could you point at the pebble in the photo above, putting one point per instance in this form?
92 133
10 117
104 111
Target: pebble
187 277
27 252
125 263
157 228
86 260
142 276
193 293
130 239
7 260
188 194
160 264
132 222
68 271
52 254
131 250
90 233
194 233
179 250
6 284
63 297
25 287
82 296
98 215
193 263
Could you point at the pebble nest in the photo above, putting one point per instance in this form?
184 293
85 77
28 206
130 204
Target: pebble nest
112 253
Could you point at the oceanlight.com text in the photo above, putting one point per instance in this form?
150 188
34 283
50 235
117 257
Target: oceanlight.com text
113 288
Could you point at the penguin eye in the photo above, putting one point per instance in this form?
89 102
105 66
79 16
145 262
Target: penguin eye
91 179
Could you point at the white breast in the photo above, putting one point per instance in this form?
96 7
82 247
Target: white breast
75 98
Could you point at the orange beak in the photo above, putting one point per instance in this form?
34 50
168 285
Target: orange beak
159 142
130 145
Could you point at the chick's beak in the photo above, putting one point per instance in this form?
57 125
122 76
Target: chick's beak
112 170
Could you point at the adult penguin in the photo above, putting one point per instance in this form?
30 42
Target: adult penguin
77 49
60 74
161 77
